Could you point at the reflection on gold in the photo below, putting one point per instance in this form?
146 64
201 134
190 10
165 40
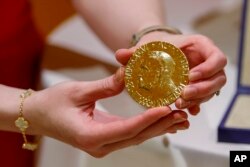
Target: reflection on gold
156 74
160 79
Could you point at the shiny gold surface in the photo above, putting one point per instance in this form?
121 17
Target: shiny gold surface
156 74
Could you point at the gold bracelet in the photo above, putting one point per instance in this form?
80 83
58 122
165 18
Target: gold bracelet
23 124
136 37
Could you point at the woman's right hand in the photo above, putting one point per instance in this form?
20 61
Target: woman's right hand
67 112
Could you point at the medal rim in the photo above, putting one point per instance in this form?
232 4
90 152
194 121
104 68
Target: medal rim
130 65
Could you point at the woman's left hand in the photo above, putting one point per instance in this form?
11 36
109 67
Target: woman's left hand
206 63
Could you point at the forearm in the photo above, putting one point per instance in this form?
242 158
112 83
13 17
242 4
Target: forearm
9 106
115 21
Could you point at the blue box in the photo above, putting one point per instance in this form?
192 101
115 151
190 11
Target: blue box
235 125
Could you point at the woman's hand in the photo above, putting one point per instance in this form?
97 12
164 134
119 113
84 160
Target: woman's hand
67 112
206 63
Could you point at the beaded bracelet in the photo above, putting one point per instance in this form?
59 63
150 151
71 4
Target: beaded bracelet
136 37
23 124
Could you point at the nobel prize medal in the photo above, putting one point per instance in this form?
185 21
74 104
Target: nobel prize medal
156 74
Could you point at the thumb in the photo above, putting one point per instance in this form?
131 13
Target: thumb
106 87
123 55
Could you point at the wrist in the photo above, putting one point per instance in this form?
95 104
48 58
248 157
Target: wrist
154 36
31 112
156 32
22 123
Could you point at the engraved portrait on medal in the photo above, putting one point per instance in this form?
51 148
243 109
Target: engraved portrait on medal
156 74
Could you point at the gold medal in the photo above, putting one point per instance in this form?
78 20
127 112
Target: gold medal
156 74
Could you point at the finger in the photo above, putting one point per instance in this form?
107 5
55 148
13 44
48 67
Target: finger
207 58
123 55
124 129
180 126
204 88
193 107
214 61
152 131
183 104
194 110
107 87
175 119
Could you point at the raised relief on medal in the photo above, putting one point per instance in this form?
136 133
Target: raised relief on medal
156 74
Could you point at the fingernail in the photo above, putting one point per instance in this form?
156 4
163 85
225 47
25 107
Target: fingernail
194 110
194 76
179 120
119 75
184 104
181 103
182 128
178 103
189 92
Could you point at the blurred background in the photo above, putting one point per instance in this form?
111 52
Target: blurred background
73 51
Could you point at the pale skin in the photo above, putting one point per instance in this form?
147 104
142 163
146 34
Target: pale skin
67 111
206 60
